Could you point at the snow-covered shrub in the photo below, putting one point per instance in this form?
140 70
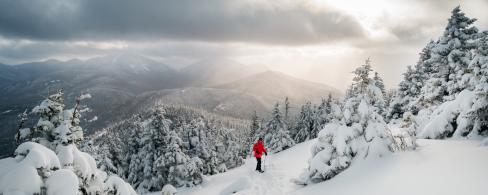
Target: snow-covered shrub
332 153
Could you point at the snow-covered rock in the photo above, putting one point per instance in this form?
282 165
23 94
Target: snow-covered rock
168 189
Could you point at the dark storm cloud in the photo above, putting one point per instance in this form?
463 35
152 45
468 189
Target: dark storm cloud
203 20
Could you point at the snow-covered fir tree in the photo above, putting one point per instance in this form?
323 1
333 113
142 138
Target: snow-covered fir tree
449 58
286 109
253 134
305 124
206 146
322 114
152 141
378 82
231 150
179 168
380 103
438 98
277 136
356 131
55 165
479 83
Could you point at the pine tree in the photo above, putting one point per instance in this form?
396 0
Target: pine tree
322 114
231 155
253 134
356 131
305 125
176 165
152 140
380 103
22 133
134 173
478 69
58 134
287 109
378 82
406 98
277 136
449 58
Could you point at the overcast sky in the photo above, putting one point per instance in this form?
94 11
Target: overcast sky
320 40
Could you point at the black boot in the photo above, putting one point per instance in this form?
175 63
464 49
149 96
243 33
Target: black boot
258 166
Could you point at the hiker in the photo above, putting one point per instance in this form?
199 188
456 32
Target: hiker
258 150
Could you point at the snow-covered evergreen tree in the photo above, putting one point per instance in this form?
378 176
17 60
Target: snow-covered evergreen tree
322 114
277 136
305 124
380 103
253 135
378 82
287 109
160 159
152 140
356 131
444 94
55 164
22 133
231 155
449 58
479 83
134 164
206 145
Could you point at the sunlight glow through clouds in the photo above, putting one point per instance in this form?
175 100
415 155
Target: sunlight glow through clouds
318 40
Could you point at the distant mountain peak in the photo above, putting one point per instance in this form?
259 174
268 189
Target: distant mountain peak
215 71
275 85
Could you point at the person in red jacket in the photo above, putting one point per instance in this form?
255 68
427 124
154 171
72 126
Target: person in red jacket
258 149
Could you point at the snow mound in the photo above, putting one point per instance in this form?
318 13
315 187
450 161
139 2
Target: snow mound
457 110
484 142
239 185
20 179
168 189
62 182
36 168
115 184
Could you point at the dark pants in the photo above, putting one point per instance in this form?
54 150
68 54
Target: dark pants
258 166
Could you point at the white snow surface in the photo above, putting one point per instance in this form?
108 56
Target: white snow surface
62 182
447 167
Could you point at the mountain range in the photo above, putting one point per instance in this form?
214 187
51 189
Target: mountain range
124 84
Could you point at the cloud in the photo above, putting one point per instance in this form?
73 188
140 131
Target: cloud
316 40
268 22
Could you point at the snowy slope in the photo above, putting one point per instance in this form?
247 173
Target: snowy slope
437 167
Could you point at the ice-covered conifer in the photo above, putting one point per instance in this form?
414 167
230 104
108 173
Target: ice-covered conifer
356 131
277 137
305 124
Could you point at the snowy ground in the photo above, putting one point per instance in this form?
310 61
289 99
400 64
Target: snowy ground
437 167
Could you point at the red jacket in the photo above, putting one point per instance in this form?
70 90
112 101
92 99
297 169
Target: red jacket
258 149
